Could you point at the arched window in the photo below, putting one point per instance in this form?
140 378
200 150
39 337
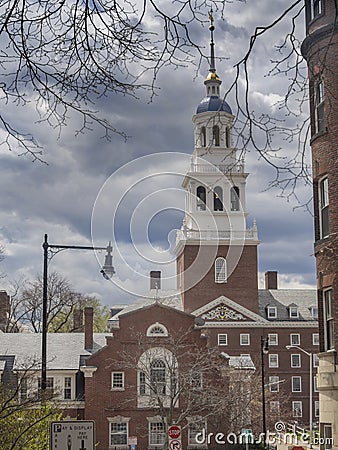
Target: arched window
218 199
220 270
215 135
203 137
157 330
227 137
201 198
234 198
158 376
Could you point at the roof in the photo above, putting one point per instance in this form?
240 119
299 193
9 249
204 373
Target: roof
64 350
213 103
282 299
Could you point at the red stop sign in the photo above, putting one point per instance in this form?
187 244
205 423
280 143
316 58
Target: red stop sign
174 432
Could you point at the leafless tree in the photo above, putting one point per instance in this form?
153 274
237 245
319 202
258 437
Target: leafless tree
62 301
184 383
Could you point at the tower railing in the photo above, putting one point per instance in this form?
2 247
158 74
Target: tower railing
236 167
214 235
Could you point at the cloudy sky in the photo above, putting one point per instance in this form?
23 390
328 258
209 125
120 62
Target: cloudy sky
92 190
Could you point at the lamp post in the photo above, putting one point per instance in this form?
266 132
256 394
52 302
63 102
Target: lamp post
264 351
107 272
310 386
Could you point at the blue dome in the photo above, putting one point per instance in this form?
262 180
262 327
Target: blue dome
213 103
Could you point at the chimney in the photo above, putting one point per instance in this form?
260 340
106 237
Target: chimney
271 279
78 321
155 279
4 310
88 327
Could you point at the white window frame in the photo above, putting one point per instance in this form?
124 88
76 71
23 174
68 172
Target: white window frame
159 434
67 389
118 422
315 338
328 440
328 319
274 383
244 339
316 8
157 330
273 338
293 312
222 339
297 408
315 360
273 360
315 385
114 386
220 270
272 315
323 206
316 408
319 105
274 407
314 312
299 364
196 426
294 381
294 339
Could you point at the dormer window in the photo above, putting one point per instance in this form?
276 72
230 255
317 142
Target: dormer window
272 312
293 312
314 312
157 330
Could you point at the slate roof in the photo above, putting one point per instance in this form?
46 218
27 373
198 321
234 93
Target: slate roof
65 350
304 299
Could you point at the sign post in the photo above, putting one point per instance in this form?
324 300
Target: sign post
72 435
175 437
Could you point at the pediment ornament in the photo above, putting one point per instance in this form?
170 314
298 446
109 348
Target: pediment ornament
223 312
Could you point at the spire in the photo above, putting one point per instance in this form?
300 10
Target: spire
212 82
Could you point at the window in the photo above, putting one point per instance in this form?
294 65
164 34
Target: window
297 409
67 388
317 408
196 380
158 377
323 208
215 135
117 381
194 429
273 360
23 388
314 312
274 407
220 270
142 383
328 437
274 384
156 434
293 312
319 107
157 330
295 361
118 434
295 339
244 339
273 338
222 339
218 199
296 383
315 339
315 387
227 137
49 387
234 198
203 137
201 198
272 312
315 360
316 8
328 320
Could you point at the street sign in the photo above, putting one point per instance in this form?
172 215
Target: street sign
175 445
72 435
174 432
132 440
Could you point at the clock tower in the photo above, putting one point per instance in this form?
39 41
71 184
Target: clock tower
216 253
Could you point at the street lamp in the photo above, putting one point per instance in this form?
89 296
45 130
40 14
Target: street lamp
310 385
49 251
264 351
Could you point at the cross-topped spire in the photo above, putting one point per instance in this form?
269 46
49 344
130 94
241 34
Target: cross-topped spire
212 81
212 44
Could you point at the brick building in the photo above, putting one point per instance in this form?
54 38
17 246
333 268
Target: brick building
320 49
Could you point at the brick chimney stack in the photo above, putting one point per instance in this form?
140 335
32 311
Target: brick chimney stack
78 321
4 310
88 327
271 279
155 279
